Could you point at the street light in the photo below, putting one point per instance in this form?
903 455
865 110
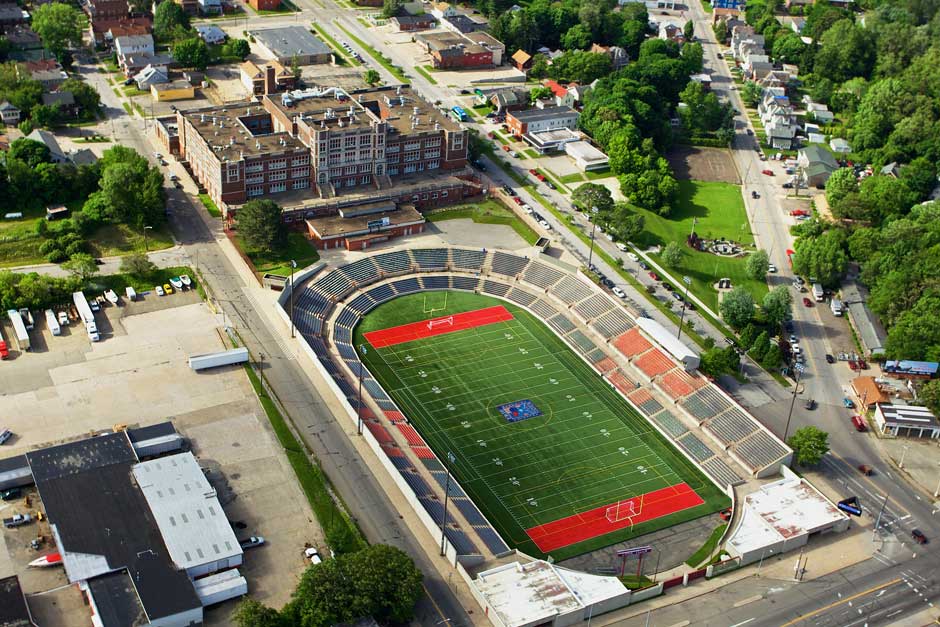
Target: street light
936 492
293 264
687 281
593 227
146 241
901 463
796 386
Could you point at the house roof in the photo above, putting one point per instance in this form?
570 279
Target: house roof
130 41
65 98
908 416
6 106
521 56
47 138
867 391
531 115
557 89
815 154
213 32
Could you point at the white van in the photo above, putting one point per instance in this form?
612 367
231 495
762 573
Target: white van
130 293
818 292
836 306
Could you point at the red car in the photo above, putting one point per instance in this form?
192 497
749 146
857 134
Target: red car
859 423
540 177
506 147
654 276
767 172
799 212
807 302
518 200
534 172
725 514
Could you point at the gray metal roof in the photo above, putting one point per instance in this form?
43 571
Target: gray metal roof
548 113
187 510
290 40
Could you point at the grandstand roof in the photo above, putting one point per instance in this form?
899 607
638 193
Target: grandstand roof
668 341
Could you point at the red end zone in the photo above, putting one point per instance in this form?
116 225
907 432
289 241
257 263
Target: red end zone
596 522
421 330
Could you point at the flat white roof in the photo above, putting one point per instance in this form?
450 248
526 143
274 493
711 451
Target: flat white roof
585 151
908 416
780 511
666 339
187 510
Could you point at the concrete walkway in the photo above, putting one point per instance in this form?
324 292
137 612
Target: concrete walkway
168 258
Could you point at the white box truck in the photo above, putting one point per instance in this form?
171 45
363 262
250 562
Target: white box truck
130 293
818 292
53 323
19 329
836 306
84 312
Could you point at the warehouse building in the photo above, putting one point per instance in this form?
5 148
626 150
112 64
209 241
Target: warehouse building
133 535
289 43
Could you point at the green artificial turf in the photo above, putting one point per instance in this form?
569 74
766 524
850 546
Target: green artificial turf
587 450
718 211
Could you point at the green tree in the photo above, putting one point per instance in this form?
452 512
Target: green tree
168 19
846 51
737 307
86 97
59 25
809 444
748 335
29 151
260 225
673 255
390 8
788 49
591 195
192 52
822 257
757 264
251 613
777 305
929 395
840 184
721 31
886 196
772 358
46 116
137 265
751 93
718 361
539 67
627 223
237 48
759 347
82 266
578 37
372 77
703 112
537 93
580 66
916 333
688 30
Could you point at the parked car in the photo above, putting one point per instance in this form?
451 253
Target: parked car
545 225
750 132
550 184
167 289
654 276
509 190
787 185
158 290
771 268
313 555
252 542
830 359
767 172
643 265
12 493
607 282
527 208
810 404
847 403
16 520
518 200
63 319
619 293
866 470
807 302
506 148
918 536
677 296
5 434
533 171
799 212
754 194
725 514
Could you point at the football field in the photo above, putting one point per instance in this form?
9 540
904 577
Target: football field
554 457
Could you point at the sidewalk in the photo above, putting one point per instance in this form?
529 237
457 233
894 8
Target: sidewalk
167 258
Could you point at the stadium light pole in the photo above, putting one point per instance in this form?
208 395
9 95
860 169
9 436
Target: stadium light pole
293 265
593 228
936 492
687 281
799 371
451 459
363 350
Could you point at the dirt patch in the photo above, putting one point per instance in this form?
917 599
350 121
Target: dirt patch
703 164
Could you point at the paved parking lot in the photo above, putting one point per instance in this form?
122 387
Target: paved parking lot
137 376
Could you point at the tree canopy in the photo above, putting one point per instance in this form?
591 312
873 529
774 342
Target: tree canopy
757 264
737 307
192 52
59 25
809 444
260 225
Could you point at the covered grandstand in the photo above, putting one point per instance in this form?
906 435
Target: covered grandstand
706 426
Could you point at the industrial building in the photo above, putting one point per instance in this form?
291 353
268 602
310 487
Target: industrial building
321 148
906 421
782 516
289 44
451 50
133 535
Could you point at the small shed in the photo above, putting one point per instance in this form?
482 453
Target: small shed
840 145
57 212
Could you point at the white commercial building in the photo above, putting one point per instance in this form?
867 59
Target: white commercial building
539 593
782 516
665 338
586 156
194 528
907 420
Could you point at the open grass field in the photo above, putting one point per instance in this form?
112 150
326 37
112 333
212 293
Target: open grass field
487 212
718 211
556 459
298 248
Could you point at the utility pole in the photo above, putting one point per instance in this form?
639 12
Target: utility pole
146 241
593 227
687 281
363 350
796 386
451 459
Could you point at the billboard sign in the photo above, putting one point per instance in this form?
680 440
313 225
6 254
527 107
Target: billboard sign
635 551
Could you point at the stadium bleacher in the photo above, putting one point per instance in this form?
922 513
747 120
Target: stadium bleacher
582 342
362 303
437 282
465 259
541 275
405 286
520 296
731 426
570 289
669 423
613 323
334 284
381 293
431 258
759 450
394 262
691 444
593 307
561 324
460 541
542 309
465 283
494 288
722 472
363 272
508 265
491 540
705 403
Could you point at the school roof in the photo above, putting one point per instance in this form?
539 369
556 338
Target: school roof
287 41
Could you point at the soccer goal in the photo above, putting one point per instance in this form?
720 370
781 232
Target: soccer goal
441 322
623 510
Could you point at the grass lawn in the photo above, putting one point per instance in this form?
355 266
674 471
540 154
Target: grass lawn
298 248
378 56
207 202
577 177
425 74
585 451
112 240
706 549
487 212
718 211
19 243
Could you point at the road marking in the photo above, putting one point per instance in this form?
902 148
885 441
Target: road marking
838 603
742 602
866 479
744 622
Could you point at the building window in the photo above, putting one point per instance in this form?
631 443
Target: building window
349 169
391 150
412 145
257 190
458 141
232 174
365 179
434 195
300 172
365 167
277 176
430 154
303 184
277 165
411 167
254 167
444 194
350 141
424 196
305 160
431 143
278 187
433 165
378 169
392 172
412 156
335 144
256 178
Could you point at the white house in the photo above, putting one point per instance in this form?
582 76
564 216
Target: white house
9 114
127 45
819 112
151 75
441 10
211 34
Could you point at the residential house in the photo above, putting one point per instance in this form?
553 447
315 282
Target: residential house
271 78
56 154
210 7
892 170
817 165
411 23
151 75
211 34
509 99
778 80
798 3
103 31
125 46
819 112
441 10
744 40
618 56
83 156
11 13
133 64
48 72
758 70
840 146
106 9
64 100
522 60
9 115
705 80
778 119
671 32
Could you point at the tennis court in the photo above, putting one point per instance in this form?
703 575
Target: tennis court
553 456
